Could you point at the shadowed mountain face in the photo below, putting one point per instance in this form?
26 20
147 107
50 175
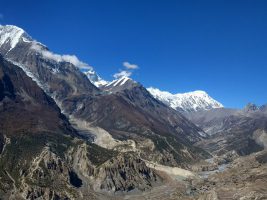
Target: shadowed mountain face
130 112
29 122
239 130
25 107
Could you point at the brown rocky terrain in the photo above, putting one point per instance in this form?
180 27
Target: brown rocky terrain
244 178
42 156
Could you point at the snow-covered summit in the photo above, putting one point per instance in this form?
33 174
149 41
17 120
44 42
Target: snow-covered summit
119 82
11 35
13 38
186 102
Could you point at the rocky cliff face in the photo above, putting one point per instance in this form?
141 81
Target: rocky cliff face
25 106
113 174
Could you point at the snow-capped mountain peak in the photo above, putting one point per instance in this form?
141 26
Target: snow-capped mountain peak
119 82
95 78
186 102
11 35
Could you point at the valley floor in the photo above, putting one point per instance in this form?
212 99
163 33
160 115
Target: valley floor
244 178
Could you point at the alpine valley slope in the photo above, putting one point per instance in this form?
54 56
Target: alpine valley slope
235 130
131 117
42 156
62 137
242 131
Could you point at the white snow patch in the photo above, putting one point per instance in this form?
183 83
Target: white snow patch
124 80
119 82
31 75
111 83
10 34
203 134
24 39
95 78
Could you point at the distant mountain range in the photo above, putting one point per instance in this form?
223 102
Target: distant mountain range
183 102
233 129
186 102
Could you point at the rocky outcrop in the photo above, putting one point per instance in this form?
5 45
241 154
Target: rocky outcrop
117 172
48 177
244 179
125 173
74 173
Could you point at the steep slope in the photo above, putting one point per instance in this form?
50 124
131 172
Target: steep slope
24 106
132 116
10 37
42 156
53 72
119 84
144 116
214 120
239 130
186 102
29 122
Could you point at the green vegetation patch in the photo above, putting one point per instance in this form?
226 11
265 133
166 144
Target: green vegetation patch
23 148
98 155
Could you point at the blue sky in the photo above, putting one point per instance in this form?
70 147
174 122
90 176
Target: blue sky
179 46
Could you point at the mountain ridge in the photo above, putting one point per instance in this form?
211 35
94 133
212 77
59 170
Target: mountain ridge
186 102
69 135
97 111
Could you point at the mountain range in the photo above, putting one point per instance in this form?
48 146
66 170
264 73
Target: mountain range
186 102
69 134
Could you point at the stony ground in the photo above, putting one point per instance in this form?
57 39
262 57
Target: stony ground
245 178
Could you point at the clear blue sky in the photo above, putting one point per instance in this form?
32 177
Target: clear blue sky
217 46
